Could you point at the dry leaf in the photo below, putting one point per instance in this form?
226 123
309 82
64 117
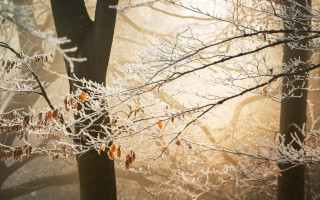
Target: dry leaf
110 155
118 151
65 102
82 97
278 172
160 125
113 148
50 115
10 154
265 91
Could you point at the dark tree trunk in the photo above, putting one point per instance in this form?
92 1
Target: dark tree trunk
94 40
293 111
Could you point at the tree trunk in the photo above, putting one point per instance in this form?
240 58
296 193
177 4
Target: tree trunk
93 40
293 110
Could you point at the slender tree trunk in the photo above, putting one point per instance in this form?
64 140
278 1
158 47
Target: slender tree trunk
293 110
93 40
28 45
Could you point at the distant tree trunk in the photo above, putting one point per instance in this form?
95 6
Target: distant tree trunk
293 110
29 45
93 40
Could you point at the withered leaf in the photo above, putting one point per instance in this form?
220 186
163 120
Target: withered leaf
119 151
10 154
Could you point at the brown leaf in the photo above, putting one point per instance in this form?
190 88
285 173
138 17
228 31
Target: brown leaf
264 36
4 156
55 113
127 164
50 115
63 147
65 102
40 117
118 151
265 91
271 71
133 155
10 155
17 153
70 102
129 160
55 157
26 120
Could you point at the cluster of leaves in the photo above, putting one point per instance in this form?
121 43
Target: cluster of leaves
15 153
69 102
114 149
9 64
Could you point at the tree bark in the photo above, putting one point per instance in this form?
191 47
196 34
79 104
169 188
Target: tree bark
293 110
93 40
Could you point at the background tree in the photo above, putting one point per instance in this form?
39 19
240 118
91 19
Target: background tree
294 110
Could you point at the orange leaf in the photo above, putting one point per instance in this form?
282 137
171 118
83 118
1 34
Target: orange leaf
75 105
113 148
118 151
160 125
129 159
265 91
278 172
55 157
110 155
178 142
103 148
50 115
82 97
114 121
172 119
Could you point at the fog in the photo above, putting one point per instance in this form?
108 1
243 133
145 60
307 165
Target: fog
238 122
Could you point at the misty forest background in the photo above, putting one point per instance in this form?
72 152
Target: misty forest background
38 177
